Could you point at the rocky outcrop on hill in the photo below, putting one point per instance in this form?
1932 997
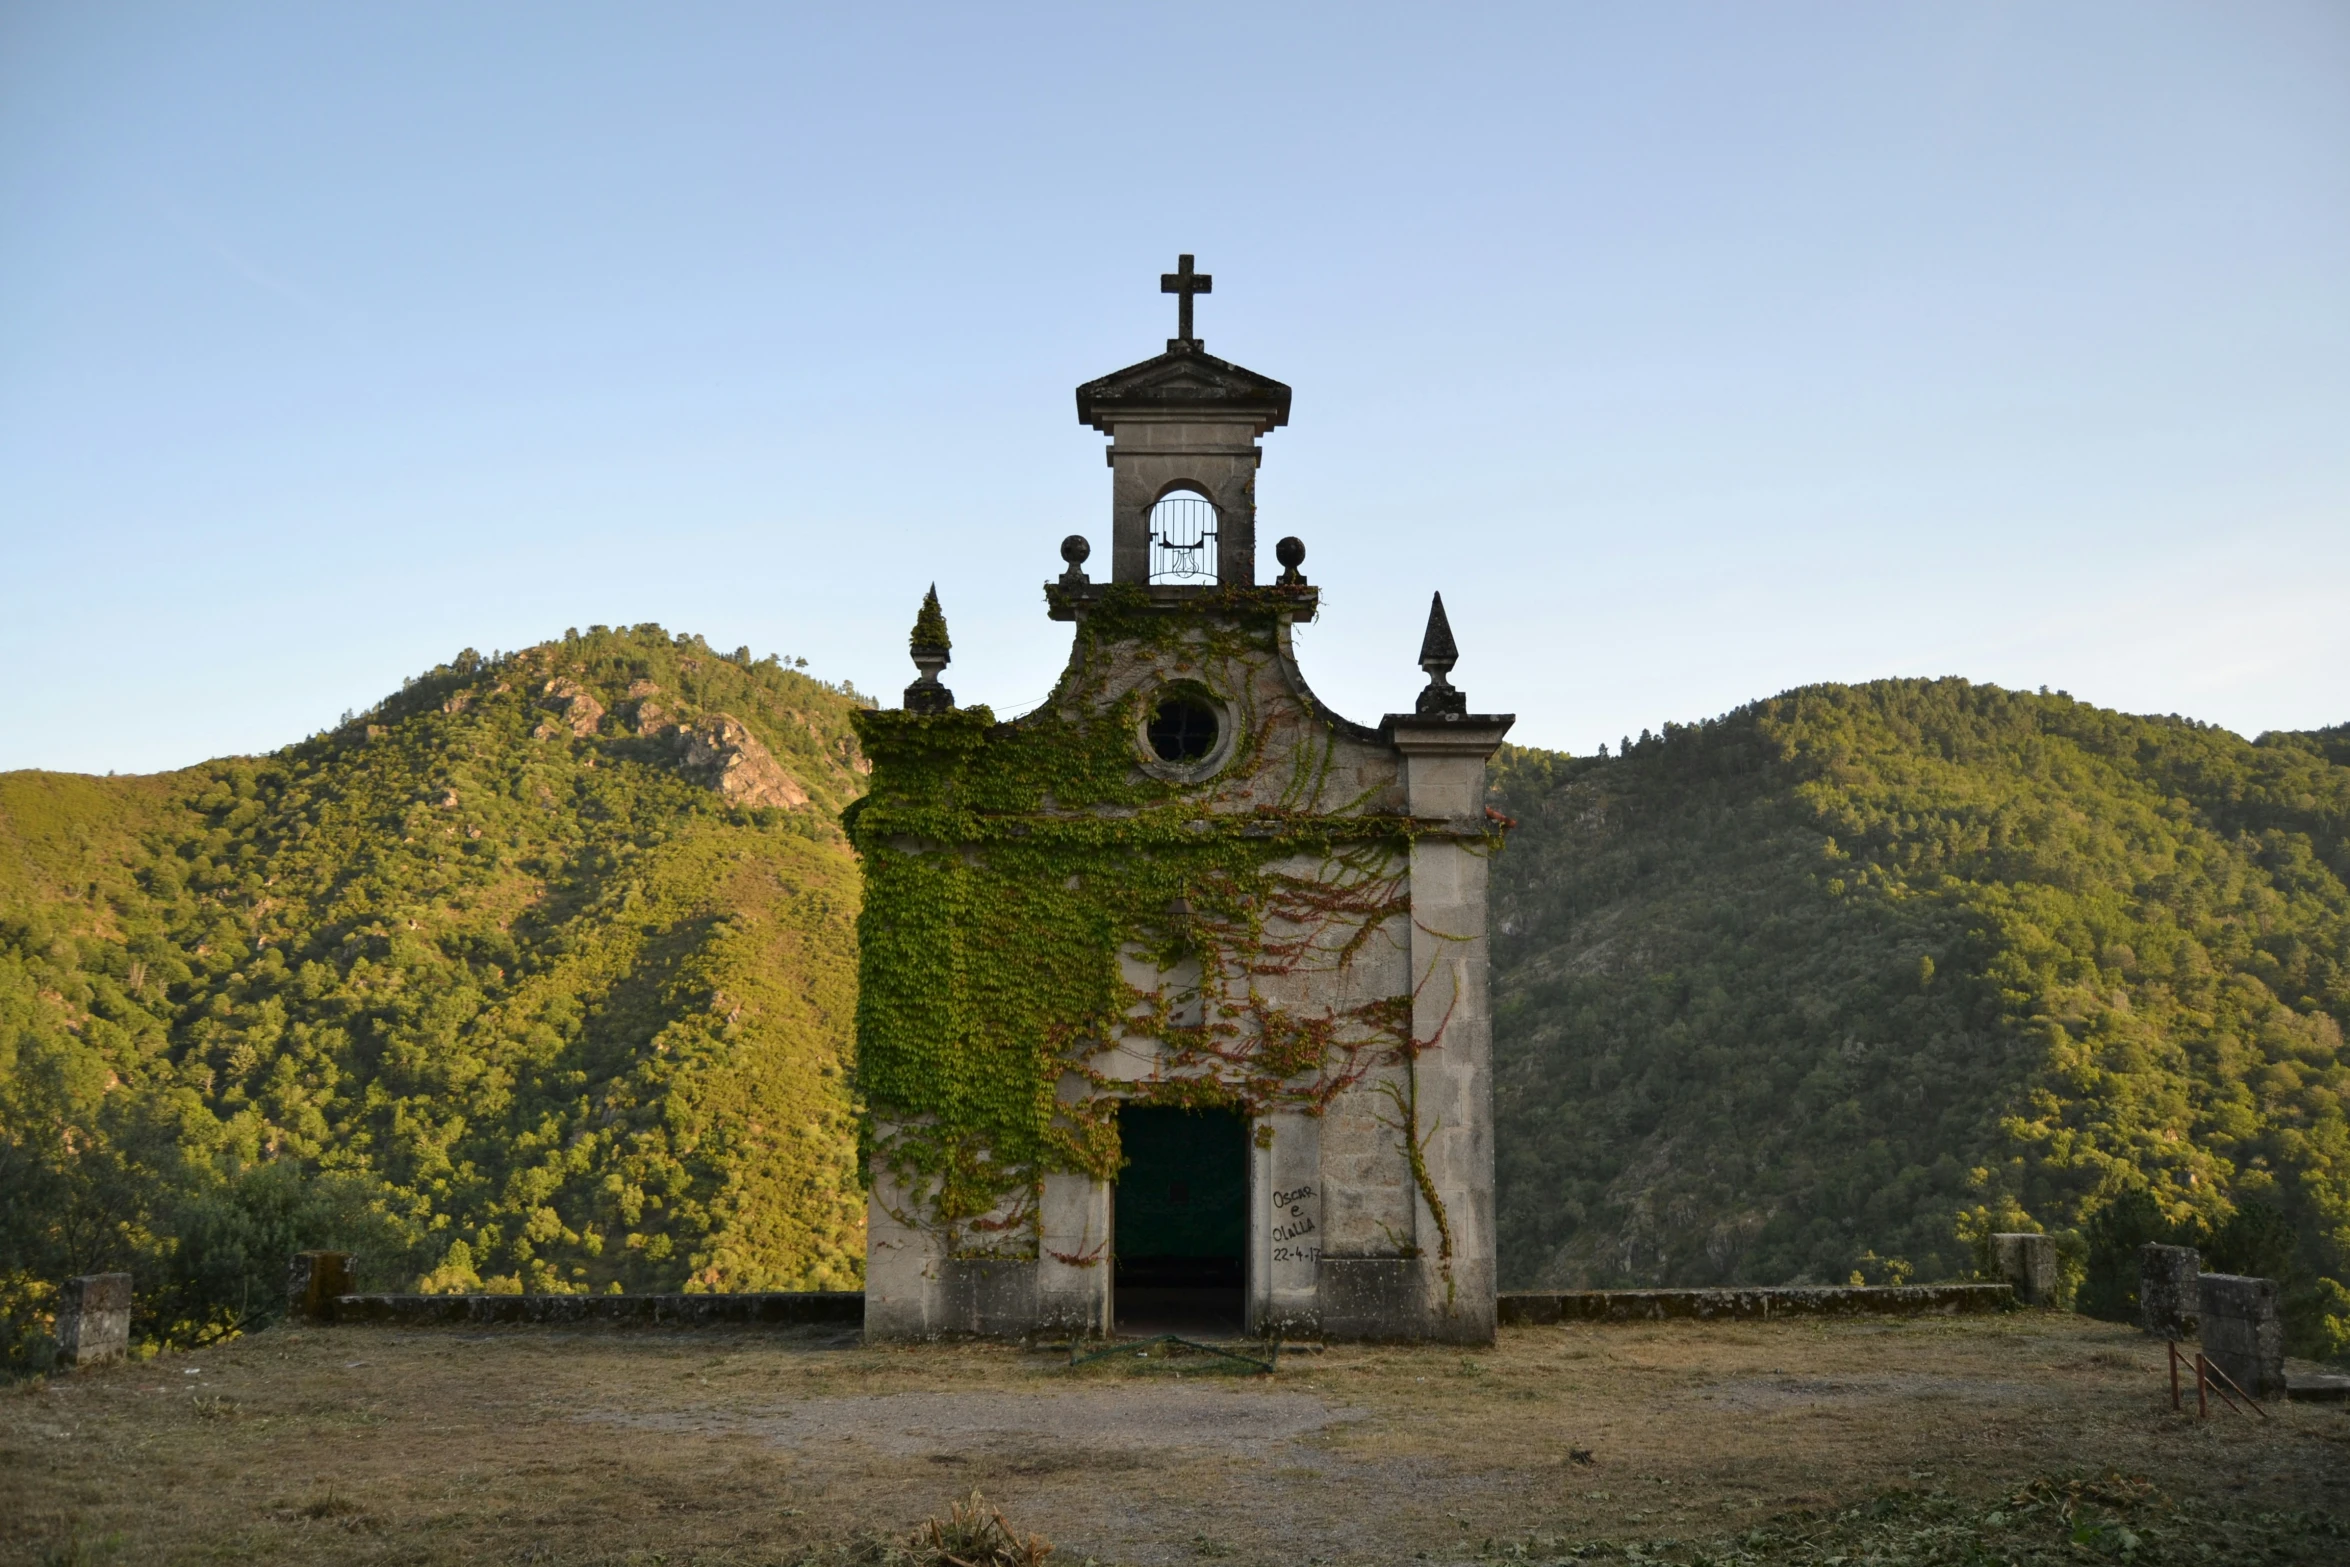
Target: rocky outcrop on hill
645 715
577 707
718 752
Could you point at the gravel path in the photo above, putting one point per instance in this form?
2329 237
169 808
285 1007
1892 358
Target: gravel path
1135 1418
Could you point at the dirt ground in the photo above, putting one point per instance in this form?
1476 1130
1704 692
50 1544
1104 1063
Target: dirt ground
367 1445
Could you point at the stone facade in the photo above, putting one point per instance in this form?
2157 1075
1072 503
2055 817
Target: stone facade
1369 1160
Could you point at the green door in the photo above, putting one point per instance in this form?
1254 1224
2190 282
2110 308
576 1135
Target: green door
1182 1219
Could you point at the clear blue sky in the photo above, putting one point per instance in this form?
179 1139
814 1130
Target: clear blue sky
1695 352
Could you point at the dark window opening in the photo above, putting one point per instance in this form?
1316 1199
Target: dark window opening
1182 1220
1183 729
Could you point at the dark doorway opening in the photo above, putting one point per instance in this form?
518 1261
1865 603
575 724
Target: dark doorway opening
1182 1221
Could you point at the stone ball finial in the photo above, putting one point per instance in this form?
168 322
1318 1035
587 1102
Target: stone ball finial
1074 549
1291 552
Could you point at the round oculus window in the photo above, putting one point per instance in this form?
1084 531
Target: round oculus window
1182 729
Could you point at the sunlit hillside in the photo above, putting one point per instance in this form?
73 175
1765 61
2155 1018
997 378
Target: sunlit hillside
538 976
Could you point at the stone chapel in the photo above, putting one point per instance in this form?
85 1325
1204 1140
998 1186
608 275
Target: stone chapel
1173 1004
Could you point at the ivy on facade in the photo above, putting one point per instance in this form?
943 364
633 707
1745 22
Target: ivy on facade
1015 871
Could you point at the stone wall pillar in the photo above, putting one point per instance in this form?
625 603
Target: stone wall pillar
94 1319
314 1279
1073 1255
2168 1296
1286 1227
905 1263
1452 1082
2243 1331
2028 1264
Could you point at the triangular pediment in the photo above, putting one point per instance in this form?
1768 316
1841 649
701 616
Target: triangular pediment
1183 380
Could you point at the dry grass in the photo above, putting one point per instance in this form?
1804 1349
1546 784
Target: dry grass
367 1445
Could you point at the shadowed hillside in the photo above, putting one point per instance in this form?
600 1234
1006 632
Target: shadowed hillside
540 975
1808 990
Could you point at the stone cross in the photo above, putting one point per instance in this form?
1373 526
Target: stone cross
1185 283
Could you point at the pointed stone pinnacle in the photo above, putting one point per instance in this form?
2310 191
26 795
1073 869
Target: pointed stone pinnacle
1437 652
1437 656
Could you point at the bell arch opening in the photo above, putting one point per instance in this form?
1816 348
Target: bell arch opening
1183 540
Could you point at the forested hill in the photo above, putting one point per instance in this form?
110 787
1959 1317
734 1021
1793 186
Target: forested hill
540 975
1808 990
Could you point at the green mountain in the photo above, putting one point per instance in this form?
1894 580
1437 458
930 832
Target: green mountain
541 975
1830 984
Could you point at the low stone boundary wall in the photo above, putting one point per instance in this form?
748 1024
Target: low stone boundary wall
839 1307
1535 1309
846 1308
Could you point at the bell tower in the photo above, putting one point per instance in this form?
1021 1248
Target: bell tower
1184 423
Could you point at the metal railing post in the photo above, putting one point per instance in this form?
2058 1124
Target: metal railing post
2230 1390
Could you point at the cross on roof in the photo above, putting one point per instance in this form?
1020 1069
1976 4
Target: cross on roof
1184 283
